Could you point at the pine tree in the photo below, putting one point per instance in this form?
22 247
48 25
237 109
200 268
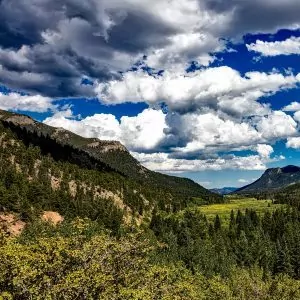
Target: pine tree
217 223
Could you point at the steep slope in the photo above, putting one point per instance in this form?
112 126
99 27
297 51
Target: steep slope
54 169
273 179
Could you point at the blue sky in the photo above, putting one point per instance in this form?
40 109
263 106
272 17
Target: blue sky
195 88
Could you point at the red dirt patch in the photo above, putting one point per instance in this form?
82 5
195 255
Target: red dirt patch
11 225
52 217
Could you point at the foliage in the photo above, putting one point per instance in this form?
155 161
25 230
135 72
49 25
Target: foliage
270 241
170 192
186 247
289 195
103 267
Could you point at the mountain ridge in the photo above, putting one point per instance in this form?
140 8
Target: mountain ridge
93 169
273 179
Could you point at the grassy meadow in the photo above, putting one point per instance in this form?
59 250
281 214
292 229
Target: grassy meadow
224 209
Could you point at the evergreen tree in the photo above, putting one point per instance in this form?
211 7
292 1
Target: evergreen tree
217 223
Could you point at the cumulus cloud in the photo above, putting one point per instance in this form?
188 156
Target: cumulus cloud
194 133
219 88
145 131
297 116
162 162
286 47
102 126
294 106
276 125
264 150
15 101
48 46
208 132
293 142
140 133
190 142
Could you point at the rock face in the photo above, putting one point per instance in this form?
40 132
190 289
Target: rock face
20 120
16 118
106 146
273 179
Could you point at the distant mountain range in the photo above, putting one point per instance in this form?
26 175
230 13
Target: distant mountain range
224 190
272 180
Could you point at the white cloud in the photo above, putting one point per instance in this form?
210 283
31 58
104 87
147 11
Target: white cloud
142 132
286 47
102 126
293 142
184 48
209 132
64 40
264 150
243 180
188 142
276 125
15 101
162 162
219 88
294 106
297 116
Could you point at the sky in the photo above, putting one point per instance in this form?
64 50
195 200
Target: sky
205 89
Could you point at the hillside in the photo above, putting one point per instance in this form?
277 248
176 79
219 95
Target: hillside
273 179
67 206
289 195
54 169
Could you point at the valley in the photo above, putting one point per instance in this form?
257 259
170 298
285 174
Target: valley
149 150
82 219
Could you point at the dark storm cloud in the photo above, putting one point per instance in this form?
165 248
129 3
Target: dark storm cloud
48 46
69 39
12 39
256 15
150 31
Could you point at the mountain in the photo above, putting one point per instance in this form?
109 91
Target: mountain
49 168
272 180
224 190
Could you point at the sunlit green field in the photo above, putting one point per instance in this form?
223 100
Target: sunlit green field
224 209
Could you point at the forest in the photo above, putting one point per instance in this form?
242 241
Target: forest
123 238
